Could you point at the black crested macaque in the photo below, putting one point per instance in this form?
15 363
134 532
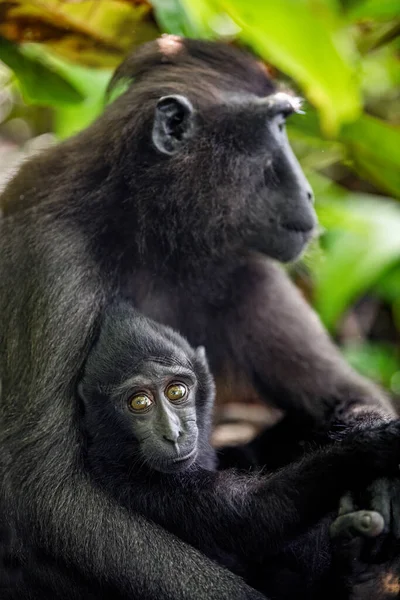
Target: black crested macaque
148 399
176 199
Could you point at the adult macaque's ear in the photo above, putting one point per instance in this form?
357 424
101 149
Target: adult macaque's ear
173 123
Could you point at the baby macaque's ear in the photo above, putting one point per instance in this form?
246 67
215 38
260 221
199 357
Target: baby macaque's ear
201 355
202 362
204 376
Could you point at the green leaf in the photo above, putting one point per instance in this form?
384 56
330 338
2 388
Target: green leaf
91 83
200 19
388 287
68 120
310 147
363 241
175 17
378 361
40 83
374 146
370 145
171 17
306 45
374 9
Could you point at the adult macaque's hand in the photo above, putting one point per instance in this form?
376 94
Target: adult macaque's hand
366 548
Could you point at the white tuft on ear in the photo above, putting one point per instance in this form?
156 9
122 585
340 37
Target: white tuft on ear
294 101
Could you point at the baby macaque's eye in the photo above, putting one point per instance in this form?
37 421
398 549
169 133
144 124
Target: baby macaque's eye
140 402
176 392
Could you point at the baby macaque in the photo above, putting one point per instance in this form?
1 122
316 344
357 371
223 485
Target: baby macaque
147 410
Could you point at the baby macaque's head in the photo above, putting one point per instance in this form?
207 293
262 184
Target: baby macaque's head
146 380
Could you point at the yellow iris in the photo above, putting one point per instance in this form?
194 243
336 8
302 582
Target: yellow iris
140 402
175 392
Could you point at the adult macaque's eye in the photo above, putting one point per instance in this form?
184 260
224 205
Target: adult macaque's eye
140 402
176 392
287 110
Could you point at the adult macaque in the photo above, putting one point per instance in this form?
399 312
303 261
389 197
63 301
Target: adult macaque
176 198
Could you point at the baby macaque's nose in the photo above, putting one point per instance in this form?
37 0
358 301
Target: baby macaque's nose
172 436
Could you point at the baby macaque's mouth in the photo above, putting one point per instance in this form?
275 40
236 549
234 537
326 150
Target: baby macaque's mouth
174 465
184 458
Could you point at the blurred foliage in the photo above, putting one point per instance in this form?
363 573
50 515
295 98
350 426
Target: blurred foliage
342 55
91 32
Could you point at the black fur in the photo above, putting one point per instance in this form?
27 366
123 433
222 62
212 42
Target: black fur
128 455
186 238
353 555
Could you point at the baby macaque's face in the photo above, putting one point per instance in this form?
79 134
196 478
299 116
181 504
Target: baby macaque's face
146 394
161 408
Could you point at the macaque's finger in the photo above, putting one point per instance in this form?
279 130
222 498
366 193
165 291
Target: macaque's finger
381 500
364 523
346 504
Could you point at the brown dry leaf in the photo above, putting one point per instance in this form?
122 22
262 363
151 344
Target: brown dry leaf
90 32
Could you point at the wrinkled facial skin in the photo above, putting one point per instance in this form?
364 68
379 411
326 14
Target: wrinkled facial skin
241 148
284 200
161 414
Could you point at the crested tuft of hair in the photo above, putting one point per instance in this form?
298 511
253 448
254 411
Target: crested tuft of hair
233 69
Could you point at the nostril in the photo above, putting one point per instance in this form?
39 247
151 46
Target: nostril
310 196
173 437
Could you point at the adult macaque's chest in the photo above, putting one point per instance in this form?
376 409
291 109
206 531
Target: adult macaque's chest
181 305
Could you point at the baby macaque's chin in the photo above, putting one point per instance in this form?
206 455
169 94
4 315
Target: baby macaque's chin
177 464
